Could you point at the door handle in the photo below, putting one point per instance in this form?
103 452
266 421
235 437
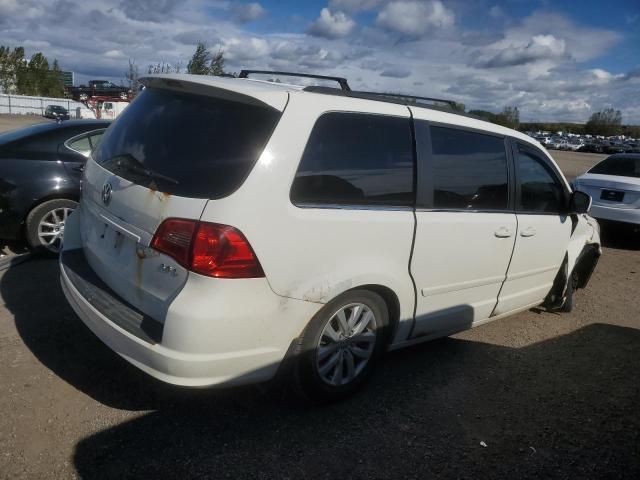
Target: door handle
528 232
502 232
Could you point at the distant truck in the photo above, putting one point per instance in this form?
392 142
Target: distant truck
105 108
98 88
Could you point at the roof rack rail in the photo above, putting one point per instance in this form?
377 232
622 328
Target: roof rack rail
344 85
401 99
412 98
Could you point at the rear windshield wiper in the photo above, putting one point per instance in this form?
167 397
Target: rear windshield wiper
129 164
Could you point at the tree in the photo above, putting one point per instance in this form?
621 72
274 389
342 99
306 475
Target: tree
203 63
484 115
200 61
53 86
162 67
216 66
132 76
11 62
509 117
607 122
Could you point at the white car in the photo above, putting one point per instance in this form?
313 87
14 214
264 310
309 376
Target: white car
231 227
614 185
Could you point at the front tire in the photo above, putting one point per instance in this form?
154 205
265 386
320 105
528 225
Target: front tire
341 346
45 225
567 305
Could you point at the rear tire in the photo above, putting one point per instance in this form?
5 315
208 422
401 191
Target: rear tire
341 346
45 225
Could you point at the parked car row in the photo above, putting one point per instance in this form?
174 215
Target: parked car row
587 143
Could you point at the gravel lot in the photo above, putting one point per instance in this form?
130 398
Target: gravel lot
532 396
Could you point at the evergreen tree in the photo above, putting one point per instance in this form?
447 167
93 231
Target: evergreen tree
199 63
53 86
216 66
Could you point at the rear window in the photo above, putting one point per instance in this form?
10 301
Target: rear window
621 166
186 145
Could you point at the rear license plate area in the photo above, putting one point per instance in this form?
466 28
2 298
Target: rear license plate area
612 195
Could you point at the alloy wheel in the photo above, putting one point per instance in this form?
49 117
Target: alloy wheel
346 344
51 228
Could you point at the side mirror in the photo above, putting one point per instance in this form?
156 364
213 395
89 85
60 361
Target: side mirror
579 202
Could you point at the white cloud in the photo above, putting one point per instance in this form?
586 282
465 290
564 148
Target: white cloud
8 7
556 84
247 12
331 25
114 54
354 5
415 18
396 72
540 47
148 10
243 49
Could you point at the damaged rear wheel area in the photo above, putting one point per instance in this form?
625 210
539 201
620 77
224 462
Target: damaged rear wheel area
560 298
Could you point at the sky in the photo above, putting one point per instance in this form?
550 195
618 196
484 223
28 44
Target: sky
554 60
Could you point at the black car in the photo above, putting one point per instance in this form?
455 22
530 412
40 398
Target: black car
56 112
40 170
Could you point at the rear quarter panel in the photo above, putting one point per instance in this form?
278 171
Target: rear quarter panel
24 184
315 254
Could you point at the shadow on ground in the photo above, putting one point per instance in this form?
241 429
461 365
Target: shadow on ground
563 408
620 236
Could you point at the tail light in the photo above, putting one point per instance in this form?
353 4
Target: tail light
209 249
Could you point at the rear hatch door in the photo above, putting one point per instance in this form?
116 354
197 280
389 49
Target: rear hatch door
166 156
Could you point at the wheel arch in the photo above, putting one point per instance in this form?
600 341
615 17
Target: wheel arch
58 195
392 302
62 195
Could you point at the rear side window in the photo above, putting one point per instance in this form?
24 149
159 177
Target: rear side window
619 166
187 145
540 189
469 170
356 159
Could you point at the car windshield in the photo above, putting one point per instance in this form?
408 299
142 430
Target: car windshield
619 166
205 145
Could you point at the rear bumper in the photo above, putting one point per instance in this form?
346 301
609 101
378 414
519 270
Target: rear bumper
627 215
187 351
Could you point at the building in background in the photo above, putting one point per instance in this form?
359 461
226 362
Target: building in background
67 78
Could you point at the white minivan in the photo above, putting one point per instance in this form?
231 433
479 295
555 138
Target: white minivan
230 226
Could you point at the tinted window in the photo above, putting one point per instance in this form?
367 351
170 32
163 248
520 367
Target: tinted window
622 166
469 170
197 146
540 190
81 145
354 158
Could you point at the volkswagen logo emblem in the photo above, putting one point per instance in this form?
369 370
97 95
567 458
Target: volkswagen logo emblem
106 193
